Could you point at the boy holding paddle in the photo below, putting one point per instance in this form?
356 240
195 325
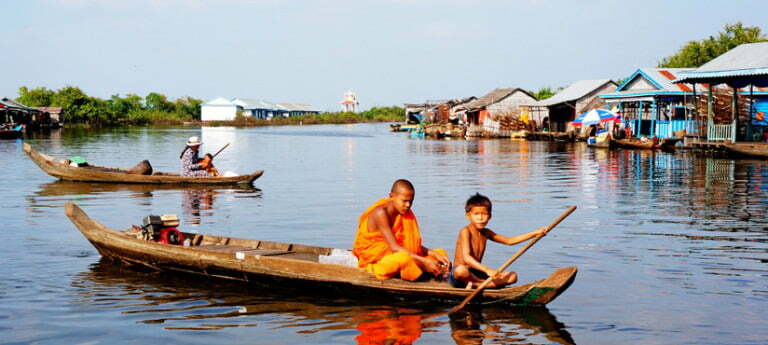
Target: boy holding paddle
468 271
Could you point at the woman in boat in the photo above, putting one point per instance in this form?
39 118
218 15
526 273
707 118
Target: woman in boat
191 164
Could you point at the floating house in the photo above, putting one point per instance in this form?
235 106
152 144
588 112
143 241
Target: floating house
420 112
556 112
498 102
652 105
15 112
222 109
452 110
52 113
744 70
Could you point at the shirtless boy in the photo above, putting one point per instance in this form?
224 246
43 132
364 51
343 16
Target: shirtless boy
388 241
468 271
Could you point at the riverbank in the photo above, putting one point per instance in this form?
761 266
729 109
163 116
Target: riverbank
386 114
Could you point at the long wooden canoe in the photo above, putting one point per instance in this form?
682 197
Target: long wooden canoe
61 169
636 143
291 265
757 150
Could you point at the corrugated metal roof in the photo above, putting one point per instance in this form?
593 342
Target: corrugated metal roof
221 101
574 91
490 98
660 77
248 103
746 60
754 72
745 56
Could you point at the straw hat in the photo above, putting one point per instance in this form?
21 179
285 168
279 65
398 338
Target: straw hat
193 141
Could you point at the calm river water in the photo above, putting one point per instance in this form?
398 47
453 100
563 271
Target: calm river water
671 248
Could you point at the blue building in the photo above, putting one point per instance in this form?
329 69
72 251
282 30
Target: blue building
743 72
652 105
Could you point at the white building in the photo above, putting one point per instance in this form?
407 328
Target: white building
221 109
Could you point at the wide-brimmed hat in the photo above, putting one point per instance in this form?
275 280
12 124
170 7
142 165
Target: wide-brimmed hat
193 141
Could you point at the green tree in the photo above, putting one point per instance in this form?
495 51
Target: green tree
37 97
119 109
544 93
188 107
697 53
158 102
70 98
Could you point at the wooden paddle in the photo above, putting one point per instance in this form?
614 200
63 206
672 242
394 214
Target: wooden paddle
511 260
222 149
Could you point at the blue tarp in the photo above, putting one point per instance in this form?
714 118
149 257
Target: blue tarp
760 113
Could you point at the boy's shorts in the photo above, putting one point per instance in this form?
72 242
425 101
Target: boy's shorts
458 284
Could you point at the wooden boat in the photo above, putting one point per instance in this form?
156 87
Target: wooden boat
757 150
292 266
11 133
669 143
148 293
605 144
61 169
397 127
637 143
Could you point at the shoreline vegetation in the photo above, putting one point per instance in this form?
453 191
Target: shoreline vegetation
375 114
82 111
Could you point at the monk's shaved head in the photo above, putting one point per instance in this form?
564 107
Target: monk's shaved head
402 185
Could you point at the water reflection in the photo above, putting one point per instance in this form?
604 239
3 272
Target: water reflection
61 188
493 325
197 201
197 204
184 303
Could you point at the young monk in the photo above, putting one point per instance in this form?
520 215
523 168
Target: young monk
388 241
468 271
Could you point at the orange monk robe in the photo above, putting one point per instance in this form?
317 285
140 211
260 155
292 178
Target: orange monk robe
387 327
373 252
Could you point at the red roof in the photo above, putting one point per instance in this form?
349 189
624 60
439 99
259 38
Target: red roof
671 76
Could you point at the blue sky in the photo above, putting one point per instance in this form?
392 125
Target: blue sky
388 51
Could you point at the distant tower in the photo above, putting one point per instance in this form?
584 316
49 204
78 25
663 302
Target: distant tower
349 103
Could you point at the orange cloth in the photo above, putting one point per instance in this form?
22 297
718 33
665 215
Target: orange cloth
370 246
373 252
387 327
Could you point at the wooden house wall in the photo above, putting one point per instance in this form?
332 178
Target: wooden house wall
583 104
639 83
511 104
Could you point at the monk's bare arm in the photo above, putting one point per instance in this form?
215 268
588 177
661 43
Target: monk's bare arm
514 239
440 257
378 221
466 254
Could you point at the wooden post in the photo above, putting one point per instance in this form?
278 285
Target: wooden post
734 113
639 119
749 113
654 117
710 112
695 112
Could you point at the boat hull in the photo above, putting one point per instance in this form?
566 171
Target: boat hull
636 144
755 150
293 266
11 134
57 168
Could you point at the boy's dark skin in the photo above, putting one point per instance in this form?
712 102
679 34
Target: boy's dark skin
382 219
470 248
